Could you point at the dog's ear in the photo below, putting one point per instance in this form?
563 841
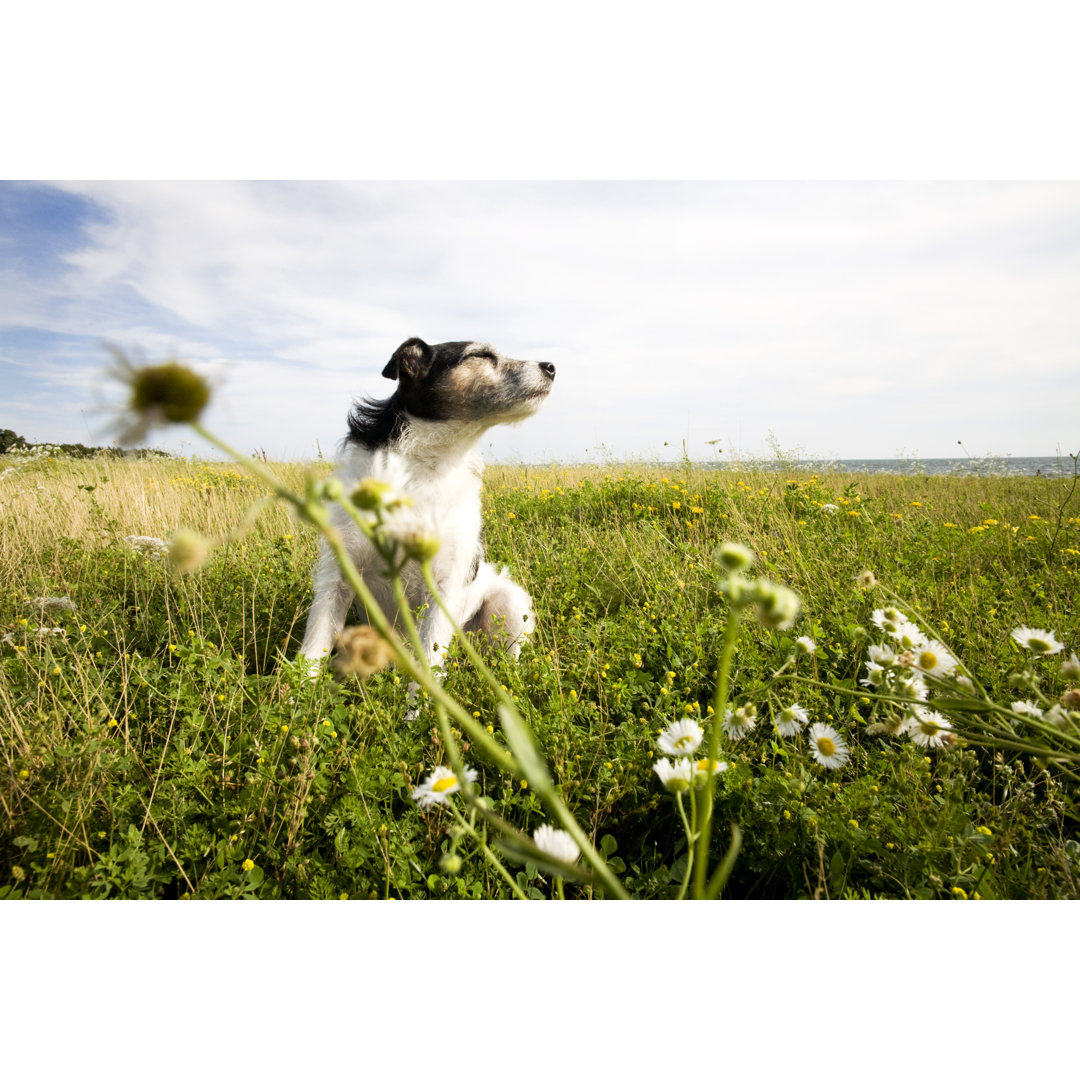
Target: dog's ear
411 359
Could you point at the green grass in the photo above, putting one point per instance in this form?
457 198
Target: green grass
158 747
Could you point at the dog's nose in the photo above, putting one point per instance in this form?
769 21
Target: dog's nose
548 370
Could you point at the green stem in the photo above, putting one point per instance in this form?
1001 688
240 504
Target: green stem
723 872
708 793
546 791
689 841
251 465
487 852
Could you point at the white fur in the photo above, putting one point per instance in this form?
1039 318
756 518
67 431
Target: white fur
438 468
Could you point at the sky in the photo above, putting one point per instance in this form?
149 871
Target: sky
724 319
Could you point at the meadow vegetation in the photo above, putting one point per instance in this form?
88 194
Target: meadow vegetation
156 742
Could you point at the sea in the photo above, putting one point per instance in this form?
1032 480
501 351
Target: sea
1051 467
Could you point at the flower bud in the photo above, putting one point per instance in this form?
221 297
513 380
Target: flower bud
420 546
188 550
732 556
1070 669
778 606
370 494
332 489
171 391
450 864
1024 680
737 589
362 651
1057 716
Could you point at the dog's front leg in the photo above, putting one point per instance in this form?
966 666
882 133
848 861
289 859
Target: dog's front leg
333 595
435 633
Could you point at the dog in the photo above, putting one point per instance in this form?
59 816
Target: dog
422 442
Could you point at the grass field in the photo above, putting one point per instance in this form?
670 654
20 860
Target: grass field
154 744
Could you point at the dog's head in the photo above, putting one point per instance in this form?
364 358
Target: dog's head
465 380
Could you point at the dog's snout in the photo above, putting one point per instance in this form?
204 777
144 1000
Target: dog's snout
548 370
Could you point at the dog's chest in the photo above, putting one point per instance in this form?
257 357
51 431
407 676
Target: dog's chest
446 506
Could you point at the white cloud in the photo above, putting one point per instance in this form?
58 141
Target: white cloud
849 319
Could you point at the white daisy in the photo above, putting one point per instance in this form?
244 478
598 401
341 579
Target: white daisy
739 724
927 728
681 737
882 655
887 618
827 746
933 658
1042 642
1026 708
557 843
674 775
791 720
912 687
805 645
439 785
875 676
829 508
907 635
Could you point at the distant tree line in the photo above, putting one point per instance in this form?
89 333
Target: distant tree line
12 443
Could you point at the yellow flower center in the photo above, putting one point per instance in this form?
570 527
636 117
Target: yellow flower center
928 727
684 741
445 784
826 746
928 660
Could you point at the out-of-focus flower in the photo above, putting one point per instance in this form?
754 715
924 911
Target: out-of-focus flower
160 394
674 775
792 720
361 650
1041 642
557 843
681 737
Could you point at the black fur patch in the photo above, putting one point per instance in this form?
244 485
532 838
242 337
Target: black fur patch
375 423
417 367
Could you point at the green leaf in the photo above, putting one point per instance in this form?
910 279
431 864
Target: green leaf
526 752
